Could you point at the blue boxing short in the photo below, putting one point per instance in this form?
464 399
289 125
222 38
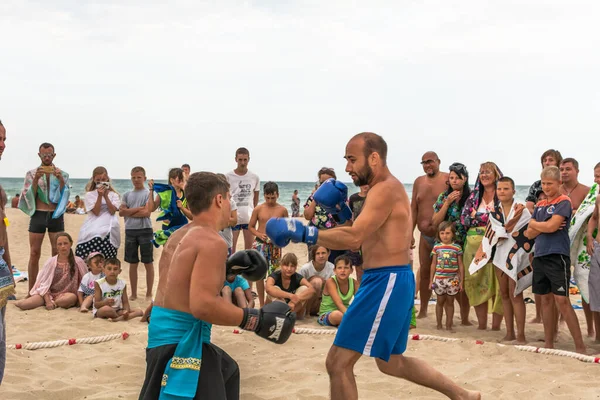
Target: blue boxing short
377 322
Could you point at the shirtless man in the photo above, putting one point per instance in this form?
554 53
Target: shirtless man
425 192
44 189
261 214
376 323
179 353
569 172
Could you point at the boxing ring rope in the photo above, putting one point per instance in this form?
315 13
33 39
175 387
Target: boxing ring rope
529 349
69 342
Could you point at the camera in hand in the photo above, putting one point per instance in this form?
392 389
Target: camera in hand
104 185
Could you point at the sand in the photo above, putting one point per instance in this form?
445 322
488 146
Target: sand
295 370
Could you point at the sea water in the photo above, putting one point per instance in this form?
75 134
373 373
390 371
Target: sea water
286 189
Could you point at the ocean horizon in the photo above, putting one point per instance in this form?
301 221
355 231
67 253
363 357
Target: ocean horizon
286 189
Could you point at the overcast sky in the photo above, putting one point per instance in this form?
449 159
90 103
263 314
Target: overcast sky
121 83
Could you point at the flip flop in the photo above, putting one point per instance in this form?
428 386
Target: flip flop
528 300
576 307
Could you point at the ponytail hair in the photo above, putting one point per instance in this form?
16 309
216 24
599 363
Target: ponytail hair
71 254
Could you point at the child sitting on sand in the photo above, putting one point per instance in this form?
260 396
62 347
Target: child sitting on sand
339 290
110 295
286 285
85 294
447 273
236 290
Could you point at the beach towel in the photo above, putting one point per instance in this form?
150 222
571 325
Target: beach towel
578 236
509 251
52 194
171 215
167 326
481 286
7 286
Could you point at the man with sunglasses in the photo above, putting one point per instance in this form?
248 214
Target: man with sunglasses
425 192
44 198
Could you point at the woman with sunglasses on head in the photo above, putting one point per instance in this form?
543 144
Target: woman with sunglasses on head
482 287
317 216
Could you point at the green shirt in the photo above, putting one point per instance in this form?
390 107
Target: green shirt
327 304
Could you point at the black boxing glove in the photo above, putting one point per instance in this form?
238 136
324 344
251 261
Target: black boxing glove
274 322
248 263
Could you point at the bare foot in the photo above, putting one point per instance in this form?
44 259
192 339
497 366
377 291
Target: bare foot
536 320
149 297
508 338
449 329
466 323
439 327
145 316
495 329
591 333
481 328
125 315
422 314
119 318
519 341
471 395
133 297
581 350
83 309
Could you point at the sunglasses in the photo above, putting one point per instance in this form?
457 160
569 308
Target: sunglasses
47 155
427 162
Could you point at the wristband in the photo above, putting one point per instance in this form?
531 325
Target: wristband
311 235
251 319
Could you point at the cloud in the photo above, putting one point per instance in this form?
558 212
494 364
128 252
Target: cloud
124 83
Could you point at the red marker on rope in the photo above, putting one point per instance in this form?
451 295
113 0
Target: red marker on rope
72 341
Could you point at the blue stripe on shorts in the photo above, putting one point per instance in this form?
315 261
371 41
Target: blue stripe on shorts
377 322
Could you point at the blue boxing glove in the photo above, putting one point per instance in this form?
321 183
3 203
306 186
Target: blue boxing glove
332 196
283 230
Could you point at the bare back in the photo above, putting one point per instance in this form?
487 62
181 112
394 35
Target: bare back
425 193
389 245
195 242
165 263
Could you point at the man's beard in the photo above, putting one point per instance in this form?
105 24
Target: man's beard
364 177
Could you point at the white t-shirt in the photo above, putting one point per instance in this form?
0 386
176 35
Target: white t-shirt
226 233
242 191
87 283
111 291
104 223
308 270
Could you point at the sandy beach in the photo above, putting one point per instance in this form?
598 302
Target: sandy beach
295 370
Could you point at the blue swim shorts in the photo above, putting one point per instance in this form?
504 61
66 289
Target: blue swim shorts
240 227
377 322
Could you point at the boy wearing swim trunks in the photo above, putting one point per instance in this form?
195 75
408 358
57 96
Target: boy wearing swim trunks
551 262
261 214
